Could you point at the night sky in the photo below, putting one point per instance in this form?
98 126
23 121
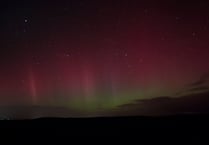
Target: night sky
100 54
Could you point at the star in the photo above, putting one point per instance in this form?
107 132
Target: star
68 55
126 54
177 18
25 20
145 10
194 34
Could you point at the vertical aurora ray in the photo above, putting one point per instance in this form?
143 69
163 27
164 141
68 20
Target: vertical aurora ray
99 54
88 82
32 87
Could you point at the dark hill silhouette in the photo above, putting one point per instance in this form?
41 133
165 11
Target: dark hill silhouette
196 103
192 99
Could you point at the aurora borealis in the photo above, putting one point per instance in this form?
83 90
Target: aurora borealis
97 55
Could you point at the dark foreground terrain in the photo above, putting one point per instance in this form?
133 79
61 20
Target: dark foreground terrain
183 125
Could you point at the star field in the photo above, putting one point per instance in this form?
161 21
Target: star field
98 55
